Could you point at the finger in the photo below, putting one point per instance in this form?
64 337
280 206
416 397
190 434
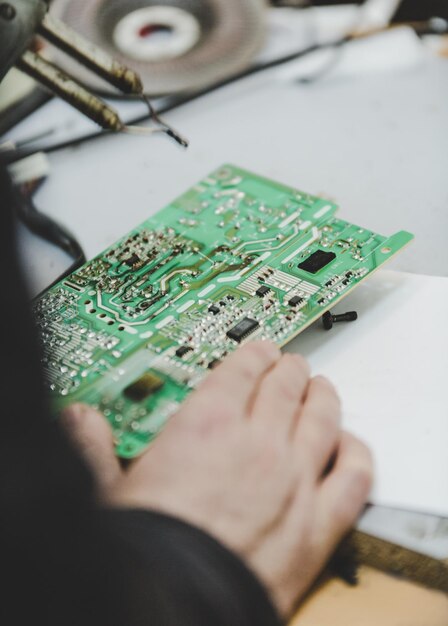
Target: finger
92 436
344 492
318 427
280 394
230 386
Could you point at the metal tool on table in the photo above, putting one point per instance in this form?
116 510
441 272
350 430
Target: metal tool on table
22 20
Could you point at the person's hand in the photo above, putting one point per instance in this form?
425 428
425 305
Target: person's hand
256 457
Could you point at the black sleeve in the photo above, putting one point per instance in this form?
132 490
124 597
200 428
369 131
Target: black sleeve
64 562
190 578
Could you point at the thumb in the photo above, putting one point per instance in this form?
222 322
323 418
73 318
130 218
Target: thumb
92 436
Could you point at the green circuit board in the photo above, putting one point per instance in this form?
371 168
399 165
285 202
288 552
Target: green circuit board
236 258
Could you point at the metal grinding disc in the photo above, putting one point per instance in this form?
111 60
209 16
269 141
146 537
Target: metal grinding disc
175 45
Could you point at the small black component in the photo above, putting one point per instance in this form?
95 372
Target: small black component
346 281
295 300
242 329
214 309
317 261
183 350
262 291
222 303
328 319
134 259
143 387
213 364
230 297
349 274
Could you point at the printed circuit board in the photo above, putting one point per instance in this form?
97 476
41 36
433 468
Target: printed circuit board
237 257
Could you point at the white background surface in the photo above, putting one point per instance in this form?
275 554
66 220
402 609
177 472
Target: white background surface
391 374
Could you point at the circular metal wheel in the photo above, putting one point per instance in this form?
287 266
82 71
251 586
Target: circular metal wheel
175 45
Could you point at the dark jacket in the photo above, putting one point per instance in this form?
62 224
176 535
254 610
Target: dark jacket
64 561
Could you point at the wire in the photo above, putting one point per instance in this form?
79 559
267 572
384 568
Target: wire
338 51
326 69
421 28
46 228
177 102
18 111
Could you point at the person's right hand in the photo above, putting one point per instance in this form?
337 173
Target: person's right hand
256 457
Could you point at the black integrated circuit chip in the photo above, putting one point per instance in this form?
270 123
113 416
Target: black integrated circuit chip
134 259
245 327
183 350
317 261
214 309
295 300
262 291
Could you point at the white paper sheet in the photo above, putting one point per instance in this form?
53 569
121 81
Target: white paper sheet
391 369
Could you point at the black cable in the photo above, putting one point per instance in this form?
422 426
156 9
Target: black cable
47 228
325 69
421 28
10 156
175 103
18 111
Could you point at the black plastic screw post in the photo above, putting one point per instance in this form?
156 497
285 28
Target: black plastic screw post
328 319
